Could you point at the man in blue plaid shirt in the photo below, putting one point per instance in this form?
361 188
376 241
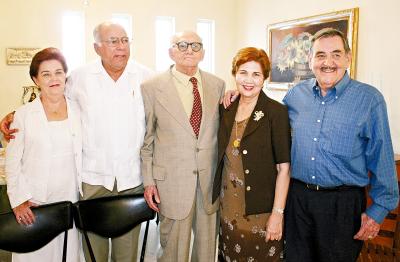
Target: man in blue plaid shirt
341 144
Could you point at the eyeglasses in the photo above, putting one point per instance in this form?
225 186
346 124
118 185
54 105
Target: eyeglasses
115 41
183 46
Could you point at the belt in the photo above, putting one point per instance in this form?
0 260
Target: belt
322 188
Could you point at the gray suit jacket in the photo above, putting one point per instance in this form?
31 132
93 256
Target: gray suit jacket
172 157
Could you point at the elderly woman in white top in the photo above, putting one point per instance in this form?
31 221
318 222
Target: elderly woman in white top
44 159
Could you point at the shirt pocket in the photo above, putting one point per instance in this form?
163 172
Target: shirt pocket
342 138
94 161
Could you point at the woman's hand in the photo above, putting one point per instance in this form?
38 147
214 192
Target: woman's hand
274 227
24 214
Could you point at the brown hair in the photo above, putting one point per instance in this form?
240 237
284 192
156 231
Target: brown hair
46 54
330 32
248 54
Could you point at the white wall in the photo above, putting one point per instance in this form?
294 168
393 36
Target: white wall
37 23
378 40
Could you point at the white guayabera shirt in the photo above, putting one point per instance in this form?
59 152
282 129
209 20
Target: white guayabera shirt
113 123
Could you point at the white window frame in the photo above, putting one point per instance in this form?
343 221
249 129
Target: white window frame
208 37
73 39
162 41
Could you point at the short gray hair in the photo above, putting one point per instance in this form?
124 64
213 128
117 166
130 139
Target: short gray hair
96 33
176 36
330 32
97 29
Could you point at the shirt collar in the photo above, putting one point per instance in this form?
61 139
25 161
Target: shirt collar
184 79
338 89
342 85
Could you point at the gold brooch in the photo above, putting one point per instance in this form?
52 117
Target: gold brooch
258 115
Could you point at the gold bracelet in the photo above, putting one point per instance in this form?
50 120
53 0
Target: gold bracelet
278 210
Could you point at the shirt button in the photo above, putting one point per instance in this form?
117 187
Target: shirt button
313 177
248 188
245 152
323 103
197 150
336 97
315 139
195 172
319 121
247 171
313 158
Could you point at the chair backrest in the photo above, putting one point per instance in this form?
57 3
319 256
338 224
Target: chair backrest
112 216
51 220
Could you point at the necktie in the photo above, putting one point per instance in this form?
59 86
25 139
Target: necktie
195 117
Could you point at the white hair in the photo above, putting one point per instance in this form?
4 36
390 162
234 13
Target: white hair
97 29
178 35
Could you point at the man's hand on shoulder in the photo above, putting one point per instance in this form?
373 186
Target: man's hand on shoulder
229 97
369 228
5 126
152 197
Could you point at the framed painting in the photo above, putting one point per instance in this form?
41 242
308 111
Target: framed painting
289 45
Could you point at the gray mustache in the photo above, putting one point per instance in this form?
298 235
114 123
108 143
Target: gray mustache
328 68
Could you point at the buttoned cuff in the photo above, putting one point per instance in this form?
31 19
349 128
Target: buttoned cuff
377 213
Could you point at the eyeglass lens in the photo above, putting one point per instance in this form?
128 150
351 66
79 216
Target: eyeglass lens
183 46
114 41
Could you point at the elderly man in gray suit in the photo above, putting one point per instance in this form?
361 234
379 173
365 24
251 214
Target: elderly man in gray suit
179 153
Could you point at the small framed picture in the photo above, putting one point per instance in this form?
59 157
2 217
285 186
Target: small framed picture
20 56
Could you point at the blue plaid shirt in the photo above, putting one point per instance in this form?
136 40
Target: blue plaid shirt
338 138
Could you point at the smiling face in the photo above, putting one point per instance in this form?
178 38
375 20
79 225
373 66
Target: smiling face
249 79
50 78
329 61
114 58
188 60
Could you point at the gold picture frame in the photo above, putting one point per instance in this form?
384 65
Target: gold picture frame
20 55
289 44
30 93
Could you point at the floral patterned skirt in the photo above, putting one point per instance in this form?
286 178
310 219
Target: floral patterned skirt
239 245
241 237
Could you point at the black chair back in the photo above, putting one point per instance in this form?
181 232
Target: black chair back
51 220
112 217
